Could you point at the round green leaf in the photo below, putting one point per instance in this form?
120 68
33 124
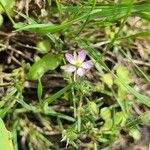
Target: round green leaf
93 108
5 138
39 68
107 78
43 46
105 113
1 20
135 133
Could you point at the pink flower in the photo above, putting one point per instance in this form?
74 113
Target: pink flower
78 65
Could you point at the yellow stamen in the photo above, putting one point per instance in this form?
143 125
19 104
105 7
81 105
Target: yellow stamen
78 63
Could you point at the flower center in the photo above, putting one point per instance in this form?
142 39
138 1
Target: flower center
78 63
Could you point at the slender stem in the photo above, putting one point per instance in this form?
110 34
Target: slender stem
79 114
74 102
73 96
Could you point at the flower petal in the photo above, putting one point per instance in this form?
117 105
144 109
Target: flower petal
70 58
81 56
87 64
69 68
81 72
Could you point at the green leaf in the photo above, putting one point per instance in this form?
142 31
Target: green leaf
139 34
48 62
1 20
119 118
58 3
40 89
105 113
7 6
140 98
122 73
14 131
52 98
110 12
7 3
59 115
5 138
145 117
93 108
135 133
51 28
136 66
25 105
126 15
107 125
43 46
69 134
145 16
107 78
5 110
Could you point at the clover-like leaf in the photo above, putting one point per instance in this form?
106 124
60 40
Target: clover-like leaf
39 68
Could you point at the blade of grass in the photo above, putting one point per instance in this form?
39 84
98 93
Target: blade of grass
40 136
110 45
46 28
25 105
7 12
144 15
59 115
106 11
88 17
144 33
58 6
55 96
140 98
112 10
8 97
5 110
137 67
39 90
14 134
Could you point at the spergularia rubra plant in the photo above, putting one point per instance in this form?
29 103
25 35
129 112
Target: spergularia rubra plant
78 65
